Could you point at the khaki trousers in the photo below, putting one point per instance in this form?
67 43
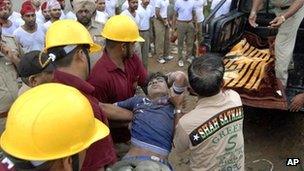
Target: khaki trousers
198 37
162 44
145 47
284 44
185 30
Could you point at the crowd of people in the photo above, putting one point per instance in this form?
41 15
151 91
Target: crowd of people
76 76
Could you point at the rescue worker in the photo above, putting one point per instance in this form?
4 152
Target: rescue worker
119 71
69 51
213 131
45 130
289 14
32 72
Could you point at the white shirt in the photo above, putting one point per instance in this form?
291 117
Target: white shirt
136 18
10 30
199 10
163 6
47 25
225 8
70 15
110 7
40 18
144 15
101 17
125 5
152 4
30 41
16 18
184 9
62 16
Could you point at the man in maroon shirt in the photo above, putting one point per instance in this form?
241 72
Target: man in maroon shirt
70 54
119 71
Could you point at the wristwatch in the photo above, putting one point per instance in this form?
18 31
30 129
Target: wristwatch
178 111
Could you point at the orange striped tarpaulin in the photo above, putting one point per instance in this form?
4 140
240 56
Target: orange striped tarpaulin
250 71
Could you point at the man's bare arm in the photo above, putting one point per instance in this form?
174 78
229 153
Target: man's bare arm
114 112
296 5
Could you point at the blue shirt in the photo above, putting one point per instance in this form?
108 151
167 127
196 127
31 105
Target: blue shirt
153 122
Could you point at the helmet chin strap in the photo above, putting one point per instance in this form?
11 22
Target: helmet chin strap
75 162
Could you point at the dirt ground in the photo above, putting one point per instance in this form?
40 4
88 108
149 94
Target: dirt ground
271 136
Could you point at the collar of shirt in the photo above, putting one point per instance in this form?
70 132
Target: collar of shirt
109 64
71 80
206 101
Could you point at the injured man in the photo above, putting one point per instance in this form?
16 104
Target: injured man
153 123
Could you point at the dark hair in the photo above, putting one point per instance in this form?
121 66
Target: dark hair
111 43
155 75
206 75
64 59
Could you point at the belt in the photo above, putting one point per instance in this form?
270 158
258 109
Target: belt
185 21
153 158
160 19
3 114
284 8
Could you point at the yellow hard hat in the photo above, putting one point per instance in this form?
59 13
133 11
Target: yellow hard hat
121 28
49 122
69 32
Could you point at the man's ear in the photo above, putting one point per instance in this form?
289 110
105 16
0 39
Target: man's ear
81 55
191 91
67 164
32 81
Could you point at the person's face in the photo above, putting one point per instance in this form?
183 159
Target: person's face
62 4
46 14
128 49
44 77
145 2
157 87
9 6
133 4
55 13
84 16
29 19
101 5
36 3
4 13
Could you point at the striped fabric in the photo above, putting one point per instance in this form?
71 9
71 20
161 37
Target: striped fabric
246 66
